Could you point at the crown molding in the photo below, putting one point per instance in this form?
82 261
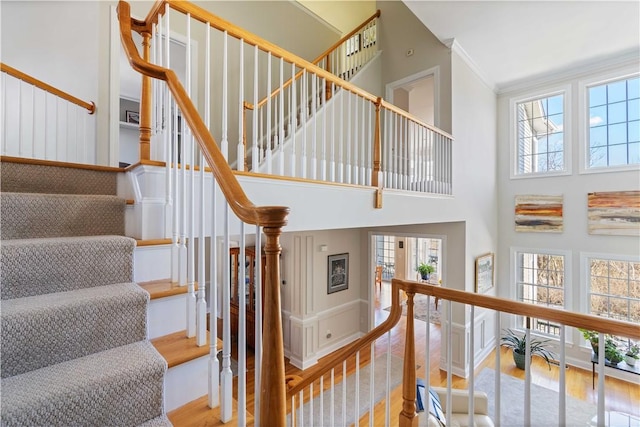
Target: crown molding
459 50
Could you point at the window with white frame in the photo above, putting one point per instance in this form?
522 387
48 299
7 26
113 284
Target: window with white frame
540 135
385 255
614 123
540 280
614 288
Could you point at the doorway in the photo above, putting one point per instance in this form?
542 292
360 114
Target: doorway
418 94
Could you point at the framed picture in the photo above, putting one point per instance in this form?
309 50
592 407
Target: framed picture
132 117
338 276
484 273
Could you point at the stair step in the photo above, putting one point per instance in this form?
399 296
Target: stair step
163 288
197 413
31 215
64 264
68 325
20 175
120 386
176 348
161 421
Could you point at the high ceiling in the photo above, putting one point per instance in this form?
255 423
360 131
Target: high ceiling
510 41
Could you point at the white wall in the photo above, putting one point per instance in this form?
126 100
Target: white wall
574 187
316 322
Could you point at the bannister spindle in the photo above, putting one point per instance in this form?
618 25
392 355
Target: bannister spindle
377 147
240 150
281 97
314 118
293 121
304 105
350 138
224 141
145 103
323 162
189 142
562 388
408 414
472 358
255 151
267 131
527 374
242 327
226 376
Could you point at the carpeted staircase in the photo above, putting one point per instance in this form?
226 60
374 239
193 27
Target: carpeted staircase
74 347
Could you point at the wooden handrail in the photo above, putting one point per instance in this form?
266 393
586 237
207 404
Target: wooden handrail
349 350
273 216
90 106
563 317
411 288
315 61
347 37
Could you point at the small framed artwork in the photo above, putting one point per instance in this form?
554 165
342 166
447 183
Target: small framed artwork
484 273
132 117
338 277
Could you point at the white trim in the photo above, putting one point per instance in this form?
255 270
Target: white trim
619 59
114 88
435 73
564 90
620 73
567 280
458 49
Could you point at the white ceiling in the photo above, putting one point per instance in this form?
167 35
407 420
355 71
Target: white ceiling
510 41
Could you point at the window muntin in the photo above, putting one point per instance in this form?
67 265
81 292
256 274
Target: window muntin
540 125
540 279
614 289
614 123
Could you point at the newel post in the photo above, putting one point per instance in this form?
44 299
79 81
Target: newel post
272 381
145 103
408 416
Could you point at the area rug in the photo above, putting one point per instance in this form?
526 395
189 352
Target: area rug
544 402
354 409
420 309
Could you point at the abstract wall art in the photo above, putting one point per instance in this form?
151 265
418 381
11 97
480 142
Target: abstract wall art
539 213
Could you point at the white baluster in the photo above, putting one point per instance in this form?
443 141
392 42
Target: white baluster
242 329
268 157
304 103
255 152
226 376
224 141
240 149
293 121
372 369
191 249
281 97
471 366
562 387
314 134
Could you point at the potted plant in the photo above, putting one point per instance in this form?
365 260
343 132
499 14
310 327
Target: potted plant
612 353
425 270
633 354
518 344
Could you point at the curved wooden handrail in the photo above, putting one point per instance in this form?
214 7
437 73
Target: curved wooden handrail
351 349
578 320
563 317
267 216
90 106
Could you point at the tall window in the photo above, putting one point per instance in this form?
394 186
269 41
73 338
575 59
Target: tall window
614 123
386 256
425 250
540 135
614 289
540 279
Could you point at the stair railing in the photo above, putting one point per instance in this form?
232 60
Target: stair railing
343 59
268 220
67 131
315 127
312 389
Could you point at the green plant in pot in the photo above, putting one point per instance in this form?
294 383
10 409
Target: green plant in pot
518 344
425 270
612 353
632 355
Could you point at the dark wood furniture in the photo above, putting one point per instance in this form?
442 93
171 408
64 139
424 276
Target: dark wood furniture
250 291
622 366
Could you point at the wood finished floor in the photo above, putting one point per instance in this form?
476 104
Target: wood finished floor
621 396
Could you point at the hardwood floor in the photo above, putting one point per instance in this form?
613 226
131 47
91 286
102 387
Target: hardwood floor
621 396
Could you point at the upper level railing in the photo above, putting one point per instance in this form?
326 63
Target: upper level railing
40 121
310 123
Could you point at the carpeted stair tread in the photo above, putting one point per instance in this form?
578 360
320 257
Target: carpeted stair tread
40 266
118 387
43 330
31 215
20 177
